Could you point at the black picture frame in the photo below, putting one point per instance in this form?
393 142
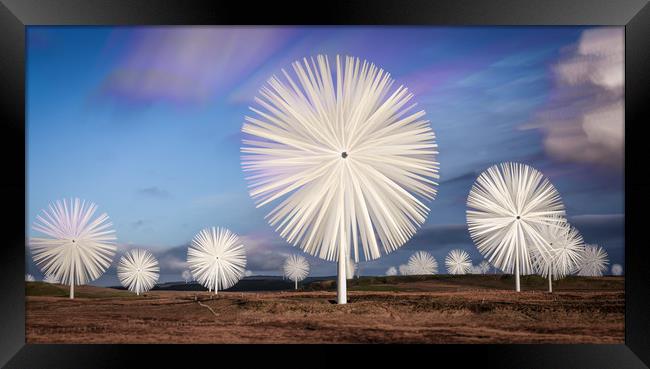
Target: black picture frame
15 15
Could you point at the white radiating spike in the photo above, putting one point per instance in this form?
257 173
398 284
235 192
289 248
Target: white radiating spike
216 258
343 157
506 208
78 249
138 270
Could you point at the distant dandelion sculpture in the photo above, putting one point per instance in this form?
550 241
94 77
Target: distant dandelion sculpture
186 275
50 278
506 206
217 258
422 263
29 278
484 266
565 248
79 248
458 262
391 271
617 269
594 261
345 159
138 271
296 268
352 269
404 269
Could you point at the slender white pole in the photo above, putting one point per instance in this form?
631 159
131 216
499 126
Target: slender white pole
550 280
341 288
216 283
72 290
517 285
296 280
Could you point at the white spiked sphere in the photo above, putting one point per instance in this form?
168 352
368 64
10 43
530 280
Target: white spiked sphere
391 271
78 248
404 269
565 247
594 261
186 275
296 268
507 205
29 278
617 269
351 268
50 278
422 263
217 258
138 270
344 157
458 262
484 266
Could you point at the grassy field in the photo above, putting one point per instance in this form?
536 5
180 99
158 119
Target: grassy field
401 309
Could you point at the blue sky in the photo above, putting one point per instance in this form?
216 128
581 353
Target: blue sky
145 122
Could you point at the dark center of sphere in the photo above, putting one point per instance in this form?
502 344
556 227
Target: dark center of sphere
518 217
73 241
344 154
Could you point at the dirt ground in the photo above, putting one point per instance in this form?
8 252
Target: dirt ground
433 312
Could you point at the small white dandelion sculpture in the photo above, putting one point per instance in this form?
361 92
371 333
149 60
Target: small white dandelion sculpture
422 263
50 278
484 266
29 278
458 262
344 156
352 269
217 258
505 208
594 261
565 247
617 269
391 271
78 248
296 268
138 271
187 276
404 269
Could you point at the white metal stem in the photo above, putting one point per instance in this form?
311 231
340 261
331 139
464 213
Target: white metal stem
517 285
341 288
296 280
550 281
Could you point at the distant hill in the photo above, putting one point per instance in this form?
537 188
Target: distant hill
252 283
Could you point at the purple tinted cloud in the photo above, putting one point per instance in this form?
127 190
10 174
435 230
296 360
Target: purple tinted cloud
188 64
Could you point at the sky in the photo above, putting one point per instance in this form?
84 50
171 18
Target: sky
146 123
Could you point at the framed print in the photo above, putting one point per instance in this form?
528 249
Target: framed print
224 181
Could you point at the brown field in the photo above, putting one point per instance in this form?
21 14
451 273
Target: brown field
443 309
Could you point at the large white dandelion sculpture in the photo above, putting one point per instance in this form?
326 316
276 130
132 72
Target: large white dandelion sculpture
565 247
296 268
217 258
594 261
458 262
138 270
78 248
507 205
422 263
345 158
